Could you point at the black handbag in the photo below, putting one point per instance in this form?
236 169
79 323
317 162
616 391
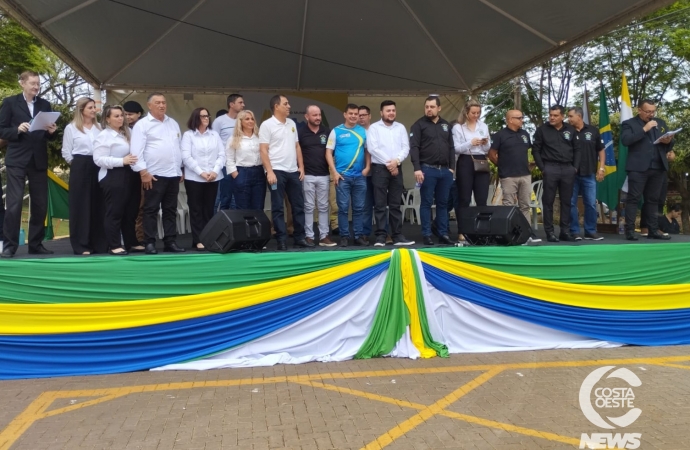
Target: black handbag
480 165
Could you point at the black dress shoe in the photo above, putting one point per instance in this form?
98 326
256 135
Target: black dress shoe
282 246
122 253
427 240
7 253
40 250
567 237
173 248
445 240
551 237
151 249
630 235
361 242
658 235
304 244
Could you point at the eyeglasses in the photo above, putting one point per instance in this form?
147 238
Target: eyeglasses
204 116
364 115
648 112
518 117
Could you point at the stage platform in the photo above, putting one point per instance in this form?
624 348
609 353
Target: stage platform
62 248
77 315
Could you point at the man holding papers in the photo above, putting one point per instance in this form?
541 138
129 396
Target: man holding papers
647 166
27 157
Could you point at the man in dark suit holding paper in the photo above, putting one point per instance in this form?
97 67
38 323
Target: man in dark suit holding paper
647 164
26 157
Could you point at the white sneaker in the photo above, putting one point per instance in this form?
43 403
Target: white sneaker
533 239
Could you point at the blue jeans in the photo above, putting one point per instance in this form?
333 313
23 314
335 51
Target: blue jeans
587 185
436 185
290 185
354 188
250 187
226 190
368 214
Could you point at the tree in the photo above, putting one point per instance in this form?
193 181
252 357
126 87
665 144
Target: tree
20 51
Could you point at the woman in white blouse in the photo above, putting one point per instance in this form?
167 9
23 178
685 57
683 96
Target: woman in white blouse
471 140
86 232
244 163
203 157
121 186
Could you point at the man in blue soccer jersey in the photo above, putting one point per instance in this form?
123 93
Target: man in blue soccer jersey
349 163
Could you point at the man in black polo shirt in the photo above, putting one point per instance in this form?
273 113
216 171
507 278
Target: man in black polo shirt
432 154
646 167
592 168
312 140
509 151
557 153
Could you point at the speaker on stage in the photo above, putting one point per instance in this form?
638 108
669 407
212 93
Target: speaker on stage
494 225
236 229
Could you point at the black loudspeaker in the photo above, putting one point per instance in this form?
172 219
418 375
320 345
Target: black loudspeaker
236 229
494 225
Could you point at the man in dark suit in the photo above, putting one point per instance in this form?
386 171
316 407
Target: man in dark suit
26 157
646 167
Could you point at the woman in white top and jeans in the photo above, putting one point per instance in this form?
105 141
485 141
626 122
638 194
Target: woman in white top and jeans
203 157
471 140
86 232
121 186
244 163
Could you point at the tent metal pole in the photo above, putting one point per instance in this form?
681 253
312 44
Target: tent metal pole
301 46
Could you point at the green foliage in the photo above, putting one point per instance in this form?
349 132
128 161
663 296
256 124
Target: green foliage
19 51
55 158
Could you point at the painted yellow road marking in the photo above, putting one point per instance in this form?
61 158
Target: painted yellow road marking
430 411
37 409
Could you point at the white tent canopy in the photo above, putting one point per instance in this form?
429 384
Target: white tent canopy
354 46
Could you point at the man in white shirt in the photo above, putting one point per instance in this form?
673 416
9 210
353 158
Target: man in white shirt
225 127
282 158
156 144
388 145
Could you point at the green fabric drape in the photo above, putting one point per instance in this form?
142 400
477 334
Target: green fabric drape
598 264
440 349
79 280
392 317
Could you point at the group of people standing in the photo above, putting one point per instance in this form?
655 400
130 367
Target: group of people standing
127 169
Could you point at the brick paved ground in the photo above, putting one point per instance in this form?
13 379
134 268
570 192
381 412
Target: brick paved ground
502 401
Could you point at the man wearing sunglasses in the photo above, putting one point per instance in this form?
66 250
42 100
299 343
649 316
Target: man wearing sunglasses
647 166
512 144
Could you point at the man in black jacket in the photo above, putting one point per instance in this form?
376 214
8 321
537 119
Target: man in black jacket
433 155
26 157
556 151
646 167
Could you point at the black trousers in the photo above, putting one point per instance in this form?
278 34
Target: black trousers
86 212
469 181
662 200
647 183
122 194
38 191
388 190
161 197
557 177
201 196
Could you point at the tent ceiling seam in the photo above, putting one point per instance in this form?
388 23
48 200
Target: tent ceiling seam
64 14
301 47
435 44
156 42
519 22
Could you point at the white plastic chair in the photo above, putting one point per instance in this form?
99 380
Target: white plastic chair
413 201
183 219
535 205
